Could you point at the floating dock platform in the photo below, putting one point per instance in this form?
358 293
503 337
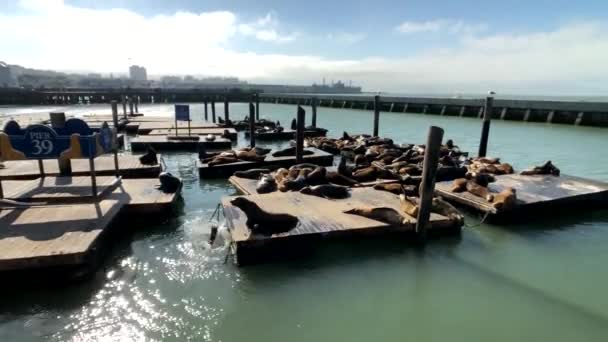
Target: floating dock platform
164 143
226 170
145 127
318 218
286 134
218 132
534 193
69 236
130 167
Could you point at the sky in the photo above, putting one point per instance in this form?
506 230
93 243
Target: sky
545 47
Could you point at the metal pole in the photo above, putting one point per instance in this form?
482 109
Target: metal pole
1 191
41 168
213 110
93 178
257 106
376 114
300 135
313 103
485 128
427 186
251 125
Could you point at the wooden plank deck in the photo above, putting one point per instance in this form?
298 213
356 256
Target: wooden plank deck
146 127
232 133
163 143
61 235
141 194
285 135
540 191
319 217
130 167
226 170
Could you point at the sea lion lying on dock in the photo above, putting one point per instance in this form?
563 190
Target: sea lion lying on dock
249 155
546 169
409 205
150 158
266 184
326 191
251 173
290 151
382 214
505 199
397 188
169 184
260 221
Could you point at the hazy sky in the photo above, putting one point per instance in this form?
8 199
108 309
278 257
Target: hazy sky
448 46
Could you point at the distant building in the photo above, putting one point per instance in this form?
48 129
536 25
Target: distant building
5 75
138 73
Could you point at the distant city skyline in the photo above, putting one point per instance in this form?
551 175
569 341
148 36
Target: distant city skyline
436 46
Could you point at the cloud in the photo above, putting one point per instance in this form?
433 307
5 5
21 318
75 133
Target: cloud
439 25
265 29
347 38
568 59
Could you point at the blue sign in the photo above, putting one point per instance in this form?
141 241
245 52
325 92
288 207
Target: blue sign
182 112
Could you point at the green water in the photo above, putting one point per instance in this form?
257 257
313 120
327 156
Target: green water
540 281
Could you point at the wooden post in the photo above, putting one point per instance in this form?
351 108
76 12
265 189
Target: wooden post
251 125
213 110
116 168
41 168
226 109
124 107
376 114
206 115
131 106
137 104
300 135
1 191
93 177
313 103
485 128
114 105
427 186
257 106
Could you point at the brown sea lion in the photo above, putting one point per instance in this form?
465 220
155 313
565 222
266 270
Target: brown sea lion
409 205
412 170
482 179
444 208
260 151
505 199
251 173
317 176
222 160
367 174
383 214
459 185
266 184
249 156
293 173
281 174
326 190
487 160
303 166
260 221
343 169
504 169
546 169
290 151
336 178
479 190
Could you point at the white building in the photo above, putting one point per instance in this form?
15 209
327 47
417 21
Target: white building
138 73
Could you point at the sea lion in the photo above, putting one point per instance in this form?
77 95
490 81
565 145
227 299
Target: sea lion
505 199
442 207
249 156
303 166
281 174
150 158
343 169
409 205
482 179
367 174
396 188
459 185
260 221
251 173
326 190
294 184
336 178
546 169
293 173
487 160
479 190
290 151
360 160
219 160
504 169
449 144
317 176
266 184
169 183
261 151
383 214
294 124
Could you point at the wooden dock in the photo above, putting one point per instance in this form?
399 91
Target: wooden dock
318 218
286 134
145 127
534 193
163 143
130 167
232 133
69 235
226 170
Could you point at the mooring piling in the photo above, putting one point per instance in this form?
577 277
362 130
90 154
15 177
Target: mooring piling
485 128
257 106
213 110
114 105
64 164
251 125
300 135
131 106
206 114
427 186
124 106
226 109
376 114
136 104
313 103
